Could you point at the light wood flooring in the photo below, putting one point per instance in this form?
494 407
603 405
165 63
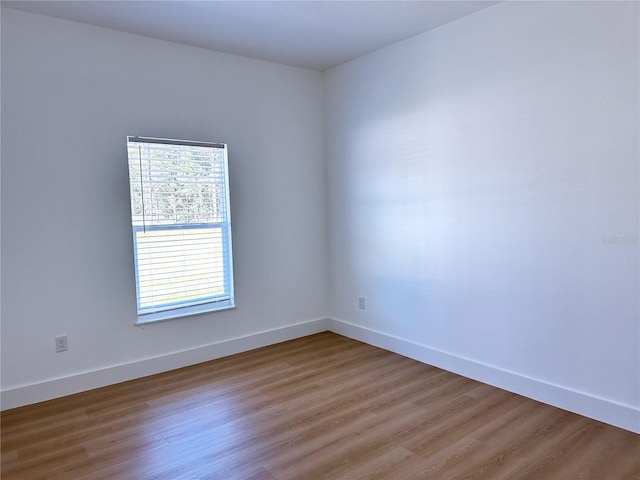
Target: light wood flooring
318 407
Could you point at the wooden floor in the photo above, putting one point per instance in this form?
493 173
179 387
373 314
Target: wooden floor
319 407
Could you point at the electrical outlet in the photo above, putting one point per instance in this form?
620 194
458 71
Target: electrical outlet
361 303
62 343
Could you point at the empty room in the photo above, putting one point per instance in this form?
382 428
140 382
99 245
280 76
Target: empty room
301 240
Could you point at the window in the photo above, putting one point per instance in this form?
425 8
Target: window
181 227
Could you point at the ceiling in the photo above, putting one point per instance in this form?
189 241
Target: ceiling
311 34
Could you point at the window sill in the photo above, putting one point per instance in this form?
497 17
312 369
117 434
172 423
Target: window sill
148 318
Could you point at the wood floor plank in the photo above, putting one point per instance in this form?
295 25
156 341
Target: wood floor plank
318 407
397 463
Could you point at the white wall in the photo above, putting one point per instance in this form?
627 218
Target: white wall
70 95
474 172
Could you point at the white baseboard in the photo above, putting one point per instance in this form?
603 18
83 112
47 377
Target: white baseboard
623 416
607 411
80 382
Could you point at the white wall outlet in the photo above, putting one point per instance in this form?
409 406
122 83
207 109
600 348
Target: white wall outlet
361 303
62 343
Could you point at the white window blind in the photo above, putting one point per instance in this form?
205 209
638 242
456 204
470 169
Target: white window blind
181 227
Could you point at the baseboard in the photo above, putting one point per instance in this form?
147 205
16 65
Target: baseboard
60 387
623 416
607 411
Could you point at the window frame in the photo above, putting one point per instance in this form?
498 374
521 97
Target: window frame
180 309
